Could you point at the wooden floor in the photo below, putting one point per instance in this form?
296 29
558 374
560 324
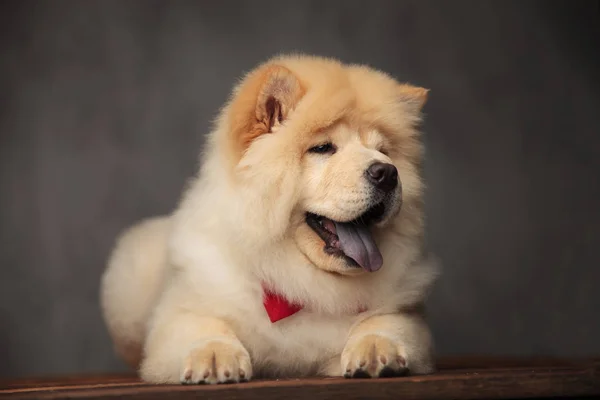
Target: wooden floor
459 378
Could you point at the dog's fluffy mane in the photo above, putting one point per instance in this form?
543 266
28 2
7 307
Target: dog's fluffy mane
257 188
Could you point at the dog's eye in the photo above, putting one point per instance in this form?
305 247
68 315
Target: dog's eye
325 148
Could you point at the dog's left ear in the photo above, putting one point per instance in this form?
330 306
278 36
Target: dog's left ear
413 96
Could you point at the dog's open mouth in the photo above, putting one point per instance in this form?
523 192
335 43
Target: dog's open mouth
351 239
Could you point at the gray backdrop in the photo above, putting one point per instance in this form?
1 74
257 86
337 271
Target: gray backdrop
104 105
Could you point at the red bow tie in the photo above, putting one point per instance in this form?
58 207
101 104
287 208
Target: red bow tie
278 307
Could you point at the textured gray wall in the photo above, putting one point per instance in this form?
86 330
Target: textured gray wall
104 103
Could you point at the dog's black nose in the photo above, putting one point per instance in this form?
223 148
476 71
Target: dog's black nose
384 176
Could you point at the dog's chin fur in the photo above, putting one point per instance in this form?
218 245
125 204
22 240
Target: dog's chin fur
182 294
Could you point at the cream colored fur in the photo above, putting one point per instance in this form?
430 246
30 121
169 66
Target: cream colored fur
182 294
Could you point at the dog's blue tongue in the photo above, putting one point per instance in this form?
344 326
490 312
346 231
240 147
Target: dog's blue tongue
357 243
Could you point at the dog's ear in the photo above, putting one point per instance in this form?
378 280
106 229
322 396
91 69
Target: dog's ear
413 96
260 104
278 95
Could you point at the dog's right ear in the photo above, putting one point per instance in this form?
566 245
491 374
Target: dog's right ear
262 103
278 95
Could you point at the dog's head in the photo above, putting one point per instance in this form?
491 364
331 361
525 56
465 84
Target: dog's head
326 154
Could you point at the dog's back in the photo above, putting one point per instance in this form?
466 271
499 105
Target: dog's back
131 284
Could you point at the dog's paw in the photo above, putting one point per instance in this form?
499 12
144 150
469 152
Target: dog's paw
373 356
217 361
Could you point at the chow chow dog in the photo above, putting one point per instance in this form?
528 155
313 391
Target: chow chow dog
297 249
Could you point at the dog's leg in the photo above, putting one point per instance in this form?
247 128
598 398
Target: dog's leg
190 349
388 345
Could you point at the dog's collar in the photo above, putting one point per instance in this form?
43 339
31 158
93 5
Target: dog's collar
277 306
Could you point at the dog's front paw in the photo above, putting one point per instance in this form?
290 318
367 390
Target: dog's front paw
373 356
217 361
